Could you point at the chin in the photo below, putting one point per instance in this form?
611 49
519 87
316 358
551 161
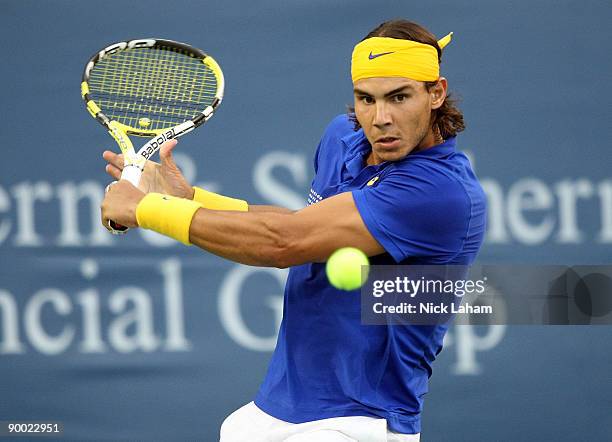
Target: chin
394 155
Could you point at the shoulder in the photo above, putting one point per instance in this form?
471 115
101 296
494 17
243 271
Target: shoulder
428 174
333 142
417 211
420 185
434 187
340 126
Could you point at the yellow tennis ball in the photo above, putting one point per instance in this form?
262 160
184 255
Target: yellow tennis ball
343 268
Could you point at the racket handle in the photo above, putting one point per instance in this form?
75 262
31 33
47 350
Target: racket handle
132 173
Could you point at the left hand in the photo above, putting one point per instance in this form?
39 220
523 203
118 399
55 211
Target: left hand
161 178
120 203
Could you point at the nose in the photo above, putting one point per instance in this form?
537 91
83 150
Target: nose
382 117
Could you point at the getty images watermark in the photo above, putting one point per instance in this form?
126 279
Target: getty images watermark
500 294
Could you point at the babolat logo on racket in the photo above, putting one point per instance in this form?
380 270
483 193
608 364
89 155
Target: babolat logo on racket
155 143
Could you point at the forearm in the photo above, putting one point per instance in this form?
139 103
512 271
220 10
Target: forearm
268 209
236 230
215 201
266 236
253 238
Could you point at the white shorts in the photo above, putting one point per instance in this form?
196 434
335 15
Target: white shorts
251 424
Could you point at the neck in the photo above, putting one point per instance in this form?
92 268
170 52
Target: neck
433 138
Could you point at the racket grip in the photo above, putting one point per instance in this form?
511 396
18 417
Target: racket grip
132 173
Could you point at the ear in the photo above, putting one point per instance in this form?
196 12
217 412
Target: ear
438 93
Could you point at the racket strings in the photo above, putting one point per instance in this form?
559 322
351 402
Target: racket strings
153 76
164 86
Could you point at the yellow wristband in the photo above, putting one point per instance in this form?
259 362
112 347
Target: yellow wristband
214 201
167 215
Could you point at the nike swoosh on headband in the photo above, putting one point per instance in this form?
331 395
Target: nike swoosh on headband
373 56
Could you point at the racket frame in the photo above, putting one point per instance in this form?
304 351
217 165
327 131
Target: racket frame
134 162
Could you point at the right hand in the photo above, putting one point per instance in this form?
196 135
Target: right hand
162 178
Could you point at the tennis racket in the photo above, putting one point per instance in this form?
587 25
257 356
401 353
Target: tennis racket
150 88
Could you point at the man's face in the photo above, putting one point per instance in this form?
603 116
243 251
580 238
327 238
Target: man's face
395 115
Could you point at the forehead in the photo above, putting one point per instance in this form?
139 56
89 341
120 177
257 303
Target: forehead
383 85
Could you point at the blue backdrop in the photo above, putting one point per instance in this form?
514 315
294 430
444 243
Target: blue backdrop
140 338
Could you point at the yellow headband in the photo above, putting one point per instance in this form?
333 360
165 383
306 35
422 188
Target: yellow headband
394 57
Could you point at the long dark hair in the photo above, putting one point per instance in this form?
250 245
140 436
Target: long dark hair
447 119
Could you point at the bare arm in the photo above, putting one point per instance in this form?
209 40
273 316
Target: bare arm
275 209
284 238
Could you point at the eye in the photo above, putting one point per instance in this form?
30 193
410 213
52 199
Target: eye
399 98
366 99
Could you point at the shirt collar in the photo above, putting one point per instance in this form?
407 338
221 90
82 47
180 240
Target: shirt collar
438 151
357 146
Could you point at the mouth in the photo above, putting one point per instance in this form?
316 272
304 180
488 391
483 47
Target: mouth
387 142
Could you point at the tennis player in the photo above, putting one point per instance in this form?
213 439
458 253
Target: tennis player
389 181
